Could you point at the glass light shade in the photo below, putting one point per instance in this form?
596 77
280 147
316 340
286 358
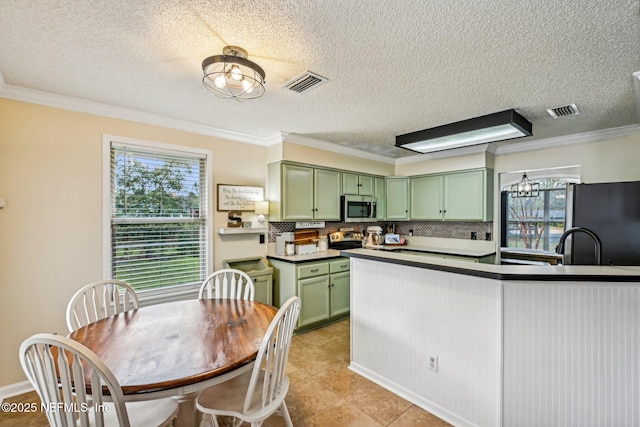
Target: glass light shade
236 73
480 136
220 81
247 86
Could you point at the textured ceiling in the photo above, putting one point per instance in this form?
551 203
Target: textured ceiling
393 66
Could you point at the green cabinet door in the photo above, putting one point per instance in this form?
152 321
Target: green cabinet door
349 183
357 184
380 194
314 294
297 192
397 191
339 293
426 197
326 194
464 196
365 185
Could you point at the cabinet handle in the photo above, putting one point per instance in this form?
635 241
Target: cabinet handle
315 270
344 266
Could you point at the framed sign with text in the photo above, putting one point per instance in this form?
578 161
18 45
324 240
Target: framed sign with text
238 197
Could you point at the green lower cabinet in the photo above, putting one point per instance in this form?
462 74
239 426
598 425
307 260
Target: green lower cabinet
323 287
314 293
339 294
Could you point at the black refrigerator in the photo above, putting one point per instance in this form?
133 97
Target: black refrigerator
612 212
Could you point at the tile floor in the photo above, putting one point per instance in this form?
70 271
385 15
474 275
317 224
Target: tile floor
323 391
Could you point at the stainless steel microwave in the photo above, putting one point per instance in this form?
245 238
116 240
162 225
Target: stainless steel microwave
358 209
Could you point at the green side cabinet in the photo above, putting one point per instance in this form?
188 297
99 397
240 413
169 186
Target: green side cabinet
322 285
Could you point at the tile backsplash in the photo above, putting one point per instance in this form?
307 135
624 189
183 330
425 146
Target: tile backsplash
449 230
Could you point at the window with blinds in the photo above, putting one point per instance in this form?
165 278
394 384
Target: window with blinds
158 217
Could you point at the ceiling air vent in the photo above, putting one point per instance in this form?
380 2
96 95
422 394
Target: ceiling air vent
567 110
305 82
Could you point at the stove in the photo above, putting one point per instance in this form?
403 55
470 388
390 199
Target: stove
345 240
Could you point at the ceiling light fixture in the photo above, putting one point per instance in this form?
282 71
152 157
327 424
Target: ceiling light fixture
480 130
232 75
525 188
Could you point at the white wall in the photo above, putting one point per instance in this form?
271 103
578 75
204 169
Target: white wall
51 227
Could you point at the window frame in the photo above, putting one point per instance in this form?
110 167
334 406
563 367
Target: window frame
569 173
152 296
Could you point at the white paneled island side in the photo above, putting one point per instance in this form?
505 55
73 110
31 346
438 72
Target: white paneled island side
515 345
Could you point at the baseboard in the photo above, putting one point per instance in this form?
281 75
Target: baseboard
15 389
412 397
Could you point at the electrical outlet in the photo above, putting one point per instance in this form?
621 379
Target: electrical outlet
433 362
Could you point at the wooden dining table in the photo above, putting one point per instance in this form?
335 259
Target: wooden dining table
178 348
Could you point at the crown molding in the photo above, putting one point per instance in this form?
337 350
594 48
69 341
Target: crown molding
295 138
90 107
563 141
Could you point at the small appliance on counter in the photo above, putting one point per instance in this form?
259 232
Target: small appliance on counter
282 240
374 236
323 244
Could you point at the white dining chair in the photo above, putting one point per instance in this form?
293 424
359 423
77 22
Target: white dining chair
227 283
255 395
56 366
98 300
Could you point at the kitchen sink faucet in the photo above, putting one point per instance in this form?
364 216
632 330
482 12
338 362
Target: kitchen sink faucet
596 240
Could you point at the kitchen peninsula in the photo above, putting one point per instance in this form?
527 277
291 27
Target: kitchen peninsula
499 345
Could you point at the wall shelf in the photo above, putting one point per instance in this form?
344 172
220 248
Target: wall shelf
240 230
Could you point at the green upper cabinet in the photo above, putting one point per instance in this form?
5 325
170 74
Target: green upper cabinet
426 197
362 185
379 192
300 193
397 200
467 196
297 192
457 196
326 194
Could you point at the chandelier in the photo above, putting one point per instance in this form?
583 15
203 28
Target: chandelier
232 75
525 188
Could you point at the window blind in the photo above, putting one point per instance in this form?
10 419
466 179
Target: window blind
158 217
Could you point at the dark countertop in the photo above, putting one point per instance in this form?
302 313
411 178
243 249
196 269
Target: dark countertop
584 273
